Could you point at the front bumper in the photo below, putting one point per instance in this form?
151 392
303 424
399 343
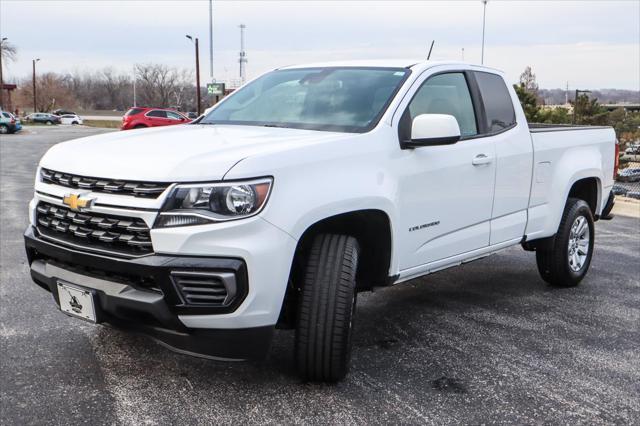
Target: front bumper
139 295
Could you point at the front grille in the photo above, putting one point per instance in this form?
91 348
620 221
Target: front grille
124 236
121 187
201 288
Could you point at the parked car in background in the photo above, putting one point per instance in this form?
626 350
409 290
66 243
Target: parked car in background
9 123
139 117
633 149
619 190
42 117
634 194
631 174
62 112
70 119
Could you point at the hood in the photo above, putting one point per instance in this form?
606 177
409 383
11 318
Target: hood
180 153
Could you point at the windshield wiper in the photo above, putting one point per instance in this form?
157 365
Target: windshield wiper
274 125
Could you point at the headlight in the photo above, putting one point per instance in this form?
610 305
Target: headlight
197 204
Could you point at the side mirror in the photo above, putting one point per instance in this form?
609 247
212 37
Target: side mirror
433 129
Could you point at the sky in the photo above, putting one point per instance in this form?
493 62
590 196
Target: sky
589 44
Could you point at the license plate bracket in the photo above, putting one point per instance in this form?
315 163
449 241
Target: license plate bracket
77 301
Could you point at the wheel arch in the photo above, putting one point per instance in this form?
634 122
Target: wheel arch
588 189
370 227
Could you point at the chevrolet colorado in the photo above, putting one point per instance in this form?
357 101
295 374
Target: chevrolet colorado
301 189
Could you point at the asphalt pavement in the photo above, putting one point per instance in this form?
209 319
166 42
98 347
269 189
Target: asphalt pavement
488 342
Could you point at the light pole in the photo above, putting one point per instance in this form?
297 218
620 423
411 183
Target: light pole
35 107
484 15
211 41
197 72
1 80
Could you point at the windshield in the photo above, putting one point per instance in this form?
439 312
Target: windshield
332 99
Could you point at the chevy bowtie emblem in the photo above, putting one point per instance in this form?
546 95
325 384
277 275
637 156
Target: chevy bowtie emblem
77 202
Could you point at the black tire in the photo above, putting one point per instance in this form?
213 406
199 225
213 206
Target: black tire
73 123
554 264
3 129
326 309
48 123
139 126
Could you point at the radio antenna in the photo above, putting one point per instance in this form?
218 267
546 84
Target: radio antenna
430 49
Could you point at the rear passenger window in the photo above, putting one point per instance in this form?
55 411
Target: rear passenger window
157 113
446 94
497 102
133 111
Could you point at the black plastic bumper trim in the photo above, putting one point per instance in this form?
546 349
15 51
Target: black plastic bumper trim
145 310
154 268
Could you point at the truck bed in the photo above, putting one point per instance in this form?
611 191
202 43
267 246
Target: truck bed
562 155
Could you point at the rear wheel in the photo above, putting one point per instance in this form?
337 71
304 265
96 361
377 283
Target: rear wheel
139 126
567 260
326 308
3 129
49 123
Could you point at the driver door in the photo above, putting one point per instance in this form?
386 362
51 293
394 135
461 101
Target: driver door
445 192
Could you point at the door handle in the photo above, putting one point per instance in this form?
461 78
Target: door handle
481 159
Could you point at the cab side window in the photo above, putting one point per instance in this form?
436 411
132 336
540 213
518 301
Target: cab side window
446 94
497 102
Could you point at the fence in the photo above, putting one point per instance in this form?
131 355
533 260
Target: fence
627 182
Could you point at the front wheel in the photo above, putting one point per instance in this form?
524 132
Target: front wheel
567 261
326 308
49 123
4 130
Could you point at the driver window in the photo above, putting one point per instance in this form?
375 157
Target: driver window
446 94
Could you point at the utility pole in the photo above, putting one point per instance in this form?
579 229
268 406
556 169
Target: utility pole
135 77
35 104
197 72
484 15
1 80
575 104
211 41
243 55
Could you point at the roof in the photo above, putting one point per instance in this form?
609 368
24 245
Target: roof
415 63
386 63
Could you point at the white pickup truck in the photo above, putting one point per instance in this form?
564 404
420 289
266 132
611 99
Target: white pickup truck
302 188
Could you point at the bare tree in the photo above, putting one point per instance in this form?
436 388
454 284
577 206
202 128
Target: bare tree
52 92
9 51
528 81
157 83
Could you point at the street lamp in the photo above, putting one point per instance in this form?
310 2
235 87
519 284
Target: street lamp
197 72
1 80
35 108
575 103
484 14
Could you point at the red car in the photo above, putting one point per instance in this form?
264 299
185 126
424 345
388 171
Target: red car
139 117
